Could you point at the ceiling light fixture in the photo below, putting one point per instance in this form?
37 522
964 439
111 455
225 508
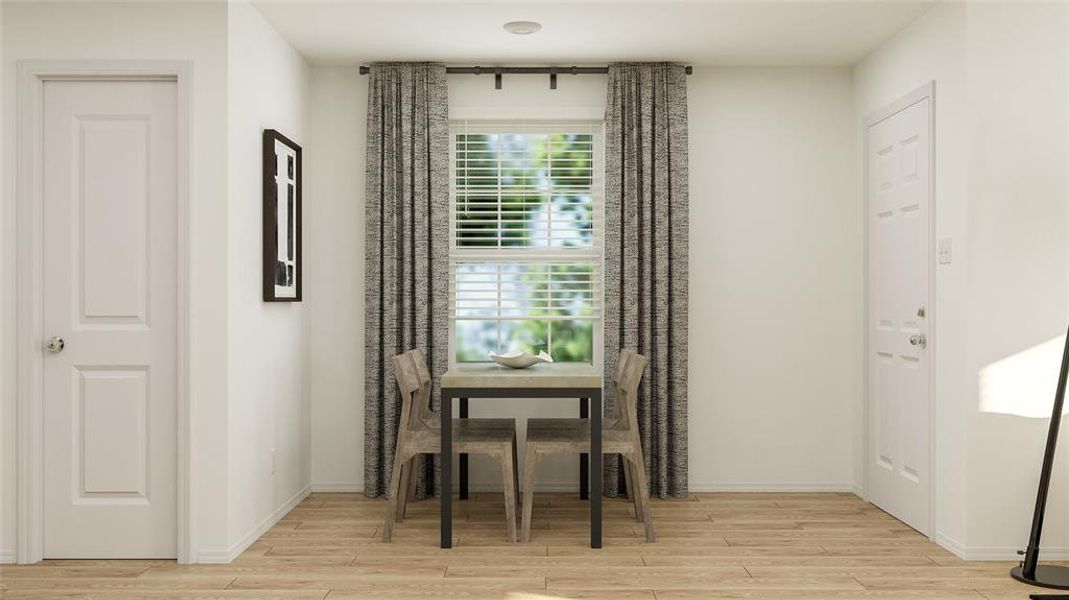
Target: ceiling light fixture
523 27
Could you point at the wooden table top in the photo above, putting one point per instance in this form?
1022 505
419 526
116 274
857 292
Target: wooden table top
492 375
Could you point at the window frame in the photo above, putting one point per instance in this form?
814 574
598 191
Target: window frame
595 254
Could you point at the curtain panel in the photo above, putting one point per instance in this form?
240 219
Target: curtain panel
406 252
646 238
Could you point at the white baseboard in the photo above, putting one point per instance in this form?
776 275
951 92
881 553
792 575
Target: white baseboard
337 487
573 486
951 544
994 553
570 486
771 487
1003 554
235 549
7 557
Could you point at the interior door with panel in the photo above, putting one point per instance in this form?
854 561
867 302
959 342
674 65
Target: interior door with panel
109 247
899 427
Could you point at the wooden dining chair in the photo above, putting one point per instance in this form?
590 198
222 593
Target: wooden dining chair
620 436
419 432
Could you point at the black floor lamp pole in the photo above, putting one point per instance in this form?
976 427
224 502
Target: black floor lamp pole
1052 576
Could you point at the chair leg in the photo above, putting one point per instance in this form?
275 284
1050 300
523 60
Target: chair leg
392 497
642 493
402 491
530 463
629 480
417 462
515 470
508 477
413 482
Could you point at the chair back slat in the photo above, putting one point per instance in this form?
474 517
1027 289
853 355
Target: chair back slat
613 415
426 416
627 401
405 370
414 379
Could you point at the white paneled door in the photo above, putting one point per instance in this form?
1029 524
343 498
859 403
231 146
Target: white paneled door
898 362
110 318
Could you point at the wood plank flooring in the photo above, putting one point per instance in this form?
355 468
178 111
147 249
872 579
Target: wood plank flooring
711 546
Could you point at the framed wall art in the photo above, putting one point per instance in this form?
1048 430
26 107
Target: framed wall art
282 218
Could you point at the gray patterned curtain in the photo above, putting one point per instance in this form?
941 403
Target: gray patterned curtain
646 230
406 255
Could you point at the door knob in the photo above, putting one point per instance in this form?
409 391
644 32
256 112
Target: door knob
55 344
918 340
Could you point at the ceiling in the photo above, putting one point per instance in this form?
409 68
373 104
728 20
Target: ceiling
742 32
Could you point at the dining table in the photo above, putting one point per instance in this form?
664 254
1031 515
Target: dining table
489 381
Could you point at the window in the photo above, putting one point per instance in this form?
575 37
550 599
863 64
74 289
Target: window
526 254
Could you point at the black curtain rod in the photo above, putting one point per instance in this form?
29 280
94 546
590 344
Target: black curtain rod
497 72
477 70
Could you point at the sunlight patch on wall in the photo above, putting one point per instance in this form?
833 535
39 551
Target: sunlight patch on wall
1023 384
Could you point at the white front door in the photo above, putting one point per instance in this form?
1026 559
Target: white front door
110 293
898 185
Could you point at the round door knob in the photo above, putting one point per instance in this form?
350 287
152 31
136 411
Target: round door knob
918 340
55 344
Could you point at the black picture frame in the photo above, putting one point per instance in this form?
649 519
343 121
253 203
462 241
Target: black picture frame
282 274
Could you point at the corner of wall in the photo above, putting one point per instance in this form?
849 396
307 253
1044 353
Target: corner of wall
268 431
231 552
951 544
336 129
7 320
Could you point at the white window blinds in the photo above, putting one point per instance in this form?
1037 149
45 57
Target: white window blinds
526 227
529 185
521 290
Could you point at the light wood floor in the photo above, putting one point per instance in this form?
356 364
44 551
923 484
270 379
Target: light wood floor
774 546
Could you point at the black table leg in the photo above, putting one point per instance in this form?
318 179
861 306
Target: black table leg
447 471
463 457
584 463
595 470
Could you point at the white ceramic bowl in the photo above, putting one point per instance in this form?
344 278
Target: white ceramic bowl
518 359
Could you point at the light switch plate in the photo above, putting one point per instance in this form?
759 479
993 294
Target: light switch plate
945 251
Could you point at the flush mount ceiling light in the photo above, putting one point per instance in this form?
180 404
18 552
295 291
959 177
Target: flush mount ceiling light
522 27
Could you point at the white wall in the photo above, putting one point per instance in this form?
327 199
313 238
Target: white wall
334 269
194 32
268 407
249 398
1018 172
773 280
751 386
7 383
1002 129
932 49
